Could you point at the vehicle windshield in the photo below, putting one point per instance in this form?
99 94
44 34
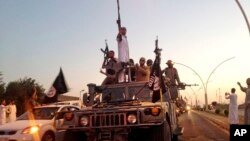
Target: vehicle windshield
44 113
127 93
75 103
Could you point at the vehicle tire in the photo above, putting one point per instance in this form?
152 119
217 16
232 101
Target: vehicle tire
48 136
74 136
175 138
161 132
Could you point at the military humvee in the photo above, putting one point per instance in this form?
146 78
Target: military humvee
120 112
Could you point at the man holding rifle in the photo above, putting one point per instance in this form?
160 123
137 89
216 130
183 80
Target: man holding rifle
123 49
172 79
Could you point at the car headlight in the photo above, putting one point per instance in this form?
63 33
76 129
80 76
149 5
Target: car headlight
84 121
31 130
131 118
188 108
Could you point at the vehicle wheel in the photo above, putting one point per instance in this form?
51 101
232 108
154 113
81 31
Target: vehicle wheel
161 133
175 138
48 136
74 136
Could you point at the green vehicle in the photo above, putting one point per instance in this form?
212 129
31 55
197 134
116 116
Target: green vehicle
120 112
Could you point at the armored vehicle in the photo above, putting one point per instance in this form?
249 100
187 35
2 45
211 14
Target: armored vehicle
120 112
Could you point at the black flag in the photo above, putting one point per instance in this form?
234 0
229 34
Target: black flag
156 82
58 87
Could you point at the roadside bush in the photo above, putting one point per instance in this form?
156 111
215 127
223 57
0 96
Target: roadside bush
214 103
217 111
226 112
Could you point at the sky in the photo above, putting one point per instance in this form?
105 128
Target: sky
39 37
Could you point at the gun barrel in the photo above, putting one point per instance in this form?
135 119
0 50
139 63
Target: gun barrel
119 17
191 85
102 50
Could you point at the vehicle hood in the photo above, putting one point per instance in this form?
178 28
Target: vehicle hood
150 103
21 124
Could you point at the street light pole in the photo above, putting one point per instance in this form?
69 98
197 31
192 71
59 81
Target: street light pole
203 84
244 15
194 95
211 75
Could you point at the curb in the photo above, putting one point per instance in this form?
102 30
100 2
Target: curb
214 120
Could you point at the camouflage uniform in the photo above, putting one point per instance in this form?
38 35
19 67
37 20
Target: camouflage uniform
171 76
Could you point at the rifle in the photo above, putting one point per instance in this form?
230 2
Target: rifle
183 85
118 21
156 66
157 50
105 52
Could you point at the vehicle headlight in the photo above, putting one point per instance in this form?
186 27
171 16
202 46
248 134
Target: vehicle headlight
155 111
177 110
188 107
131 118
31 130
84 121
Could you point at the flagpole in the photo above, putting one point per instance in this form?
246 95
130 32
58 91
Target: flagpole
160 77
162 105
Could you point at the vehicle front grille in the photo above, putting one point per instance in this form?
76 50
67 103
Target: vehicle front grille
11 132
108 120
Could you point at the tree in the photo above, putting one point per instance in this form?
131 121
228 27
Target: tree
2 89
20 89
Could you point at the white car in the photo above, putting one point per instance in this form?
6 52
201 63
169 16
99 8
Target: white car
40 129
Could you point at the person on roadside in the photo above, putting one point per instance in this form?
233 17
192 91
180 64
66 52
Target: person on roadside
3 112
31 99
31 102
12 111
233 107
247 101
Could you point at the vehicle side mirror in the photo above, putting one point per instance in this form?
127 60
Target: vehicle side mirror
86 99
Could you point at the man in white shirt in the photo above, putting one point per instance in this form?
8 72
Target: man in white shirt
2 113
123 51
12 111
233 107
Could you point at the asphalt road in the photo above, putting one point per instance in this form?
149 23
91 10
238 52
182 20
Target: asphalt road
198 128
